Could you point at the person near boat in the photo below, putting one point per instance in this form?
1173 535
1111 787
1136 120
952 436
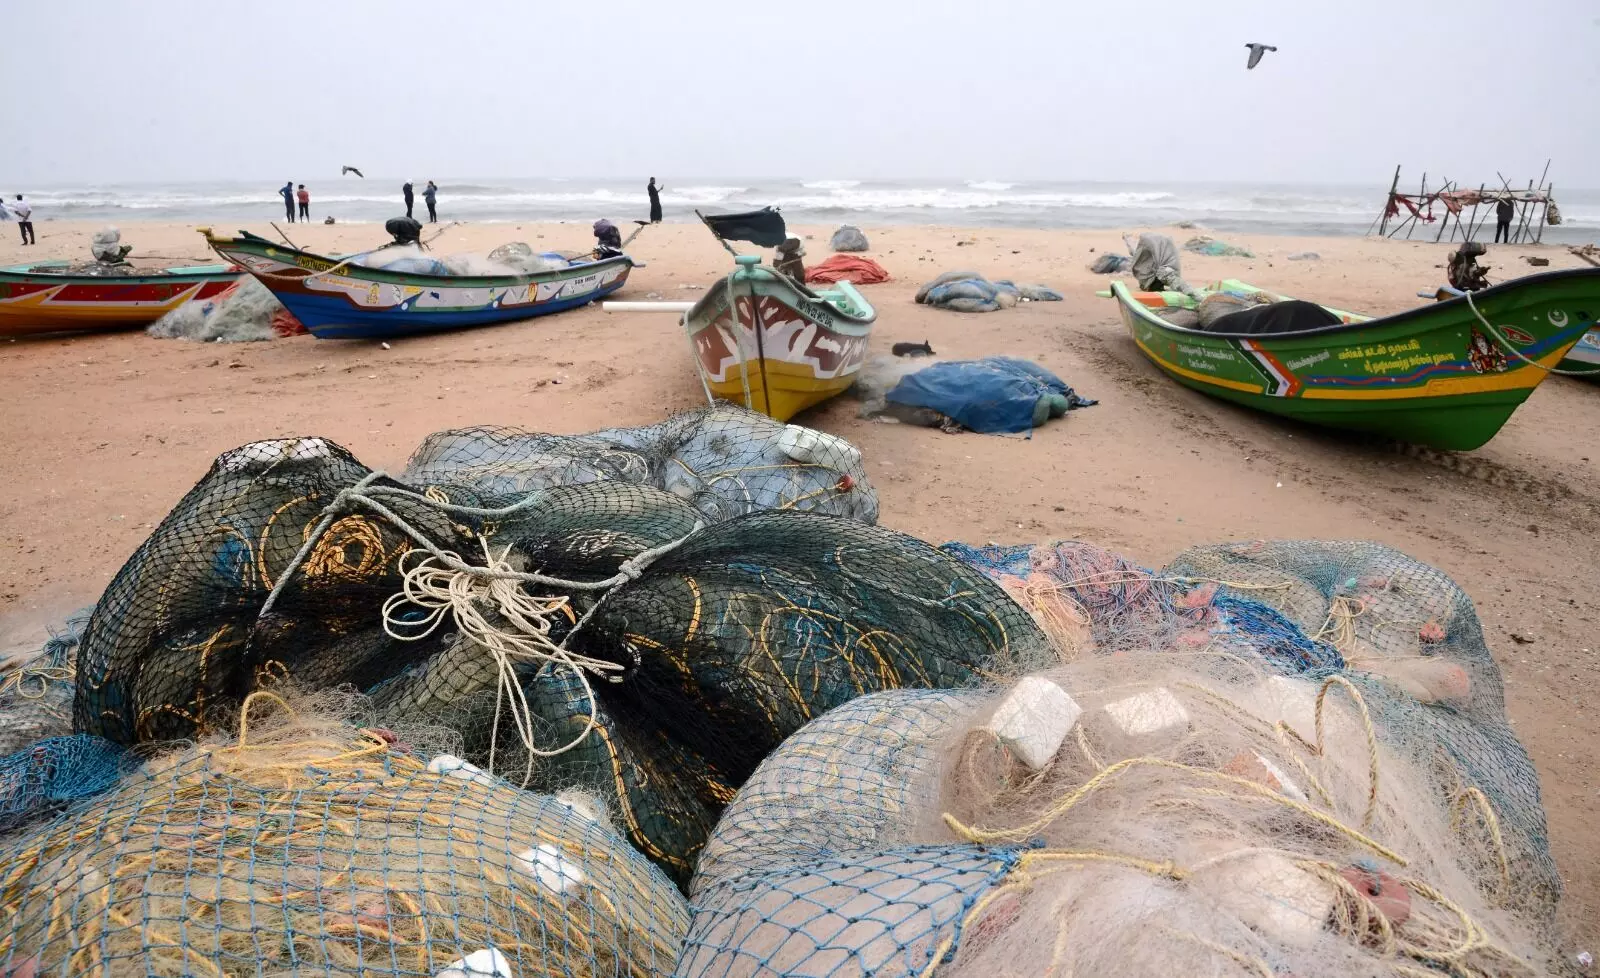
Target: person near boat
304 196
287 193
24 212
410 198
608 238
788 260
1504 211
430 195
655 201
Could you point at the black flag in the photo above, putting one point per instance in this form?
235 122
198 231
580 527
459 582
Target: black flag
763 228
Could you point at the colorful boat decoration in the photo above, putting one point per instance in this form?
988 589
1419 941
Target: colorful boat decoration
45 297
336 299
1445 375
764 341
1584 357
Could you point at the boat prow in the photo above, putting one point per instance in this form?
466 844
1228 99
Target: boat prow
765 341
337 298
1446 374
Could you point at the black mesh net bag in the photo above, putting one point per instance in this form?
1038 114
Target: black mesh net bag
752 627
181 632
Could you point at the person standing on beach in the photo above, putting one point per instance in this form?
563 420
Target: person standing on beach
655 201
405 192
287 193
1504 211
24 212
430 194
304 197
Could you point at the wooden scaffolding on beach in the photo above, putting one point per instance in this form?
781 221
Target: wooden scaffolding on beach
1535 207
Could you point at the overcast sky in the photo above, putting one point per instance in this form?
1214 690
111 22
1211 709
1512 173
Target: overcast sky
1059 89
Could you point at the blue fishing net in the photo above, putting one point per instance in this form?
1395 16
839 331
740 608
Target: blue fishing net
48 775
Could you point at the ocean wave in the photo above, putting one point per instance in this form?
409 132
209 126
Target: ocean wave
831 184
943 198
989 185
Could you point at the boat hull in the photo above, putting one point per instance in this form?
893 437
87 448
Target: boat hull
341 301
47 302
1584 358
1431 376
807 350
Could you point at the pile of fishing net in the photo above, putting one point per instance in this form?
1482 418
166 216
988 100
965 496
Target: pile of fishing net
965 291
724 459
1111 264
848 238
245 312
514 258
309 842
1141 814
1206 245
36 687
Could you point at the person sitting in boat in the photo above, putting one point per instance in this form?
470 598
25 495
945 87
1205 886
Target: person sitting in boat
608 238
788 260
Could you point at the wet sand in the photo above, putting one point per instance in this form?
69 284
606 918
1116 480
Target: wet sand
105 432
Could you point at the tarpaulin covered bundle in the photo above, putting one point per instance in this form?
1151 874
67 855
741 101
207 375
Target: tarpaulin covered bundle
1156 265
1412 636
1286 316
1205 245
179 633
847 268
725 459
308 846
971 292
848 238
36 689
1111 264
1120 816
995 394
963 292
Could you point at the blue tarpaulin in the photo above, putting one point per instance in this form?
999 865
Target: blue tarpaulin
992 395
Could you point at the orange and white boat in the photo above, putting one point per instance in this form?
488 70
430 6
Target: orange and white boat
48 297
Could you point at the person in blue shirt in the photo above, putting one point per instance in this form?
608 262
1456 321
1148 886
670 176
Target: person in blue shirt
288 200
429 194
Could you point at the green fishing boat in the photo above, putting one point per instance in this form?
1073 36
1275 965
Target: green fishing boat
1446 375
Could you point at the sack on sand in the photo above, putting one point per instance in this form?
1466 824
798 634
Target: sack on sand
848 238
1155 264
1111 264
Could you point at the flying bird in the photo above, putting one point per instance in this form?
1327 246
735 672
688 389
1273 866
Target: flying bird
351 169
1256 51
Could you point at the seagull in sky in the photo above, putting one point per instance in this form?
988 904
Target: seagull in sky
1256 51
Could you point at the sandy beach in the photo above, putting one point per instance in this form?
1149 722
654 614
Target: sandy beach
105 432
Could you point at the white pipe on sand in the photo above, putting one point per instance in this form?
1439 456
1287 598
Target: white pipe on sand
646 306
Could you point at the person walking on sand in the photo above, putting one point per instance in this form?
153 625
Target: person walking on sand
1504 211
405 192
430 195
655 201
287 193
304 196
24 212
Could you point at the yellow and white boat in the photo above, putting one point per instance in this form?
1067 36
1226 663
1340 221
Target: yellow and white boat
763 340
